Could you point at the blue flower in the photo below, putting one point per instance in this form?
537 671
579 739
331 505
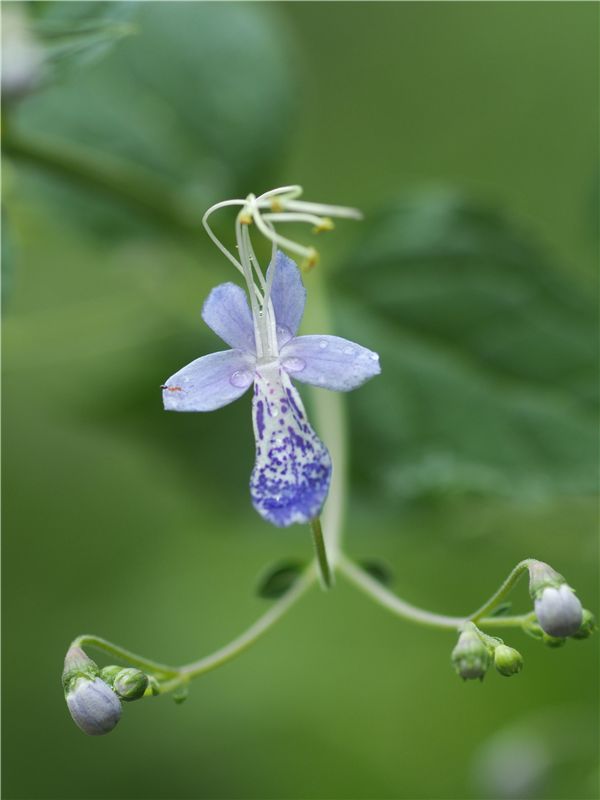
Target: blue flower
292 472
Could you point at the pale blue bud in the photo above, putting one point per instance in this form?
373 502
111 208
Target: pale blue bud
559 611
94 706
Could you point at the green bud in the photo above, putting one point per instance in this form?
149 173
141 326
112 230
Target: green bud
153 688
588 625
78 665
130 684
507 660
470 657
108 674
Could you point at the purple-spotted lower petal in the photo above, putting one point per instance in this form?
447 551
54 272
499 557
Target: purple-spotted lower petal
226 311
329 361
209 382
291 475
288 296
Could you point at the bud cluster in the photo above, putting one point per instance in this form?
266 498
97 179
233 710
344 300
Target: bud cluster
475 652
94 695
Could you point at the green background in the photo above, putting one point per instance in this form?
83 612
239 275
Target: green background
467 133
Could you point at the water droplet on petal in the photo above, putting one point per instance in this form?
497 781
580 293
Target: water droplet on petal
293 364
241 378
322 344
348 351
374 357
274 412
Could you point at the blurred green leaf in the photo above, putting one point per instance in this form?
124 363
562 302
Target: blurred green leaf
200 98
277 579
79 33
488 355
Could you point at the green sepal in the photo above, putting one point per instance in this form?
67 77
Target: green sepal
78 665
588 626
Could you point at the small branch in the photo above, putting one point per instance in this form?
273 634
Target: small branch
156 668
171 678
363 581
256 630
502 592
387 599
319 542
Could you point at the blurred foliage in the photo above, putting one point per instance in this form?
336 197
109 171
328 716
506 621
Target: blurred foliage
78 33
135 524
492 351
172 100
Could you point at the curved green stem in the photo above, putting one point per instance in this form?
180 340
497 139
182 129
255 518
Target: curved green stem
255 631
363 581
502 592
171 678
156 668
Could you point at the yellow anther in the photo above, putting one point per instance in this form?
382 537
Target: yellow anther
325 224
245 218
276 205
311 261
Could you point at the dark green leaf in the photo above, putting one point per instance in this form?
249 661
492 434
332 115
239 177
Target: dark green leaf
79 33
200 99
277 579
488 356
378 570
502 610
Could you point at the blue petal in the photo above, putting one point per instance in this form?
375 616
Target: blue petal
288 296
329 361
292 472
226 311
209 382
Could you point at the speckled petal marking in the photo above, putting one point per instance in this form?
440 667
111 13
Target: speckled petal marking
290 479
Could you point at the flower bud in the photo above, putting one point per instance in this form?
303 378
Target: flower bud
108 674
94 706
130 684
558 610
587 627
507 660
470 657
